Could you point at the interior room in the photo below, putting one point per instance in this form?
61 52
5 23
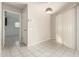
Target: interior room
39 29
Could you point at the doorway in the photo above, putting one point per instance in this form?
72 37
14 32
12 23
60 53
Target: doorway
11 29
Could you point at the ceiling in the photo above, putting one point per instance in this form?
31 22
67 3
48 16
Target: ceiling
17 4
56 6
43 5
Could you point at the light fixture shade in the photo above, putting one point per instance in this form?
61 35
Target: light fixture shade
49 10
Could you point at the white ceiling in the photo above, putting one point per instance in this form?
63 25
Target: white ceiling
54 5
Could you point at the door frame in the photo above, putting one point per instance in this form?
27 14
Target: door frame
3 24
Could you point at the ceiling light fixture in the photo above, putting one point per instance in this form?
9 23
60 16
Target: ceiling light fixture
48 10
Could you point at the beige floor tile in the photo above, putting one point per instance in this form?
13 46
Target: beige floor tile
45 49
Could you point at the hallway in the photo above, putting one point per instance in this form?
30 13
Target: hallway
45 49
56 31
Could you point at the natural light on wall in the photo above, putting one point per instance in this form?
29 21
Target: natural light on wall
59 39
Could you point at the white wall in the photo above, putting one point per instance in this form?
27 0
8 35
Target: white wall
65 27
53 27
78 27
69 18
0 26
38 25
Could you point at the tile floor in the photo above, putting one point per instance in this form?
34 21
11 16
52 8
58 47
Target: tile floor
45 49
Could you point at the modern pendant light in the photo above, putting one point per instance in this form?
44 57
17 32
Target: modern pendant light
48 10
